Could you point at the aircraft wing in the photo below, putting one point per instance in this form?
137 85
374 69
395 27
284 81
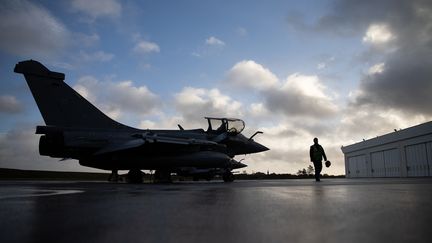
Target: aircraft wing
115 147
143 138
157 138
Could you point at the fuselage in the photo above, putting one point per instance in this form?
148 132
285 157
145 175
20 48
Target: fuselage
84 144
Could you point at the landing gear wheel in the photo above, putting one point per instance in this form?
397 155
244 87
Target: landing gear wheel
114 177
135 176
228 177
162 176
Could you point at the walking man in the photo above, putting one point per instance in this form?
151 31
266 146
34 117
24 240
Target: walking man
317 154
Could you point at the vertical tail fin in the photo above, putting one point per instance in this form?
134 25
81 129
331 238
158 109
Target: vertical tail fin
59 104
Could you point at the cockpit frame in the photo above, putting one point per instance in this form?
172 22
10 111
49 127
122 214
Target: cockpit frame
223 124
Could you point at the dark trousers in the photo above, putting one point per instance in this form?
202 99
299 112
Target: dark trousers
318 168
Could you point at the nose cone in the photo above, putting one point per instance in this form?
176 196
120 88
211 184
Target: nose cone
254 147
241 145
257 147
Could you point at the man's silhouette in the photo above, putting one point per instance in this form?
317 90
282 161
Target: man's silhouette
317 153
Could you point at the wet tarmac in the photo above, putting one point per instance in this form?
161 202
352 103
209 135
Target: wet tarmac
335 210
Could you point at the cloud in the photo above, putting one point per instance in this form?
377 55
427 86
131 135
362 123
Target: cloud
395 91
10 104
87 40
195 103
398 35
404 82
119 100
289 149
19 150
291 112
298 95
258 111
301 95
30 30
63 65
213 41
378 34
98 56
85 86
325 63
321 65
145 47
98 8
371 121
133 98
249 74
211 47
376 69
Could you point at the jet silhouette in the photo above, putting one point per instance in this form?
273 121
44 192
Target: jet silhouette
76 129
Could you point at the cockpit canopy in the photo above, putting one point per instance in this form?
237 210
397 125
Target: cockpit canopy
230 125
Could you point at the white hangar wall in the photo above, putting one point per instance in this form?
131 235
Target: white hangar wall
403 153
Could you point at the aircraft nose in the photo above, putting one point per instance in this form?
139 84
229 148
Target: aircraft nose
257 147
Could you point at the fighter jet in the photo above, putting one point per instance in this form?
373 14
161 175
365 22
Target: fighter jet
76 129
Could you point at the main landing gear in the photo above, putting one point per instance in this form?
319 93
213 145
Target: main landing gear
162 176
228 176
135 176
114 177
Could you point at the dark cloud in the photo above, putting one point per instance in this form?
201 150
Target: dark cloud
406 82
350 16
293 104
30 29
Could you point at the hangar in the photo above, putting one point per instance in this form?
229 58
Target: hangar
402 153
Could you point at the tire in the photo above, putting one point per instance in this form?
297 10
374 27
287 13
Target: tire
135 176
228 177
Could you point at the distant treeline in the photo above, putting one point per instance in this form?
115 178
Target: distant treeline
264 176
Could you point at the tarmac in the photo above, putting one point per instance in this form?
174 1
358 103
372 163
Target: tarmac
334 210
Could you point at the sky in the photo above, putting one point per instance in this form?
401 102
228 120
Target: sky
342 71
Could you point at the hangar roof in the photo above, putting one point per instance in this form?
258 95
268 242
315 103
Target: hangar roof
397 135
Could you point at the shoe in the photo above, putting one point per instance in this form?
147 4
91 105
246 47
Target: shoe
317 180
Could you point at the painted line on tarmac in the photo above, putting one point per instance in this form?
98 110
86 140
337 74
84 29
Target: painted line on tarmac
39 193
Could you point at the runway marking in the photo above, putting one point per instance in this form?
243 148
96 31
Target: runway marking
39 193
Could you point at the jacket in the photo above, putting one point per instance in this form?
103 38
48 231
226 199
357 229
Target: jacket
317 153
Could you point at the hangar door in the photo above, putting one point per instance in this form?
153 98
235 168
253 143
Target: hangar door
392 163
378 165
386 163
357 166
429 154
417 159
